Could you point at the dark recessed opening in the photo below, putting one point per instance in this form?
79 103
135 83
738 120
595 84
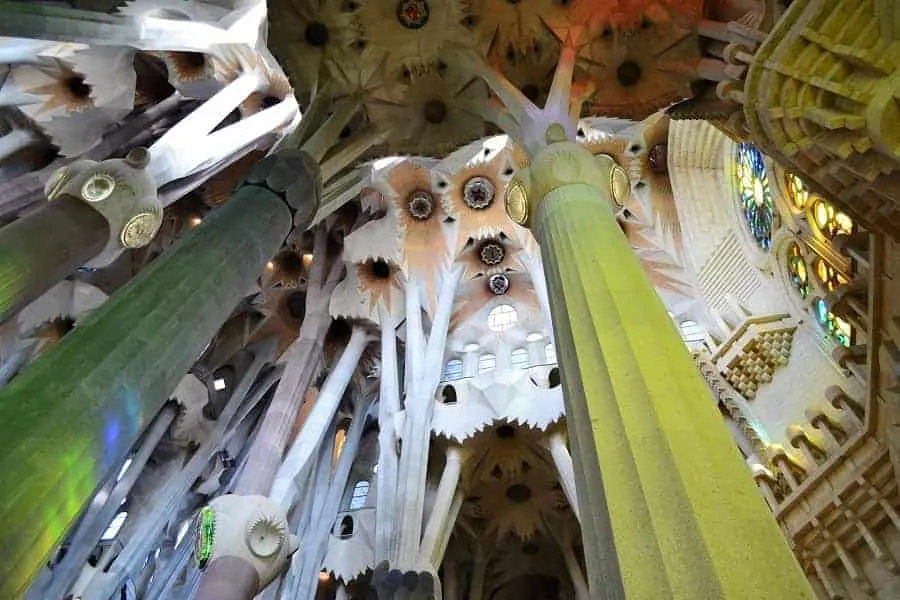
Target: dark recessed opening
193 60
63 325
316 34
553 378
531 91
78 87
505 432
646 23
518 493
345 133
296 305
497 472
513 1
448 395
469 22
435 111
340 329
269 102
381 269
607 31
530 549
346 528
289 261
628 73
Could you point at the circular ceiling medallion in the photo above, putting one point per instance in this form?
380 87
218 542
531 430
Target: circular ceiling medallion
99 187
492 253
140 229
478 192
517 203
498 284
413 14
420 205
265 536
628 73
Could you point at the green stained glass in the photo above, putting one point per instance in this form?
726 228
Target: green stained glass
798 271
840 330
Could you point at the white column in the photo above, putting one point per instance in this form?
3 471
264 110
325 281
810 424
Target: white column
299 456
388 405
341 593
470 360
424 371
438 520
536 346
563 462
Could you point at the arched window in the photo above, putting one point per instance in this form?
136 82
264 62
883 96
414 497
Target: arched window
830 221
520 358
486 362
752 183
453 370
345 527
840 330
448 395
796 265
797 191
550 353
502 317
360 493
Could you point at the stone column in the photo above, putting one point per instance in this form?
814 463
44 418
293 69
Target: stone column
438 520
40 250
90 396
562 460
653 463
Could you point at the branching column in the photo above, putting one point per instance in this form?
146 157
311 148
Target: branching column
78 409
674 514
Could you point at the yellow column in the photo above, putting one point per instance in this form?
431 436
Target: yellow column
656 469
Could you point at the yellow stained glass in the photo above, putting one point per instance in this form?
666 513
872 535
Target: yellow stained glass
797 191
830 221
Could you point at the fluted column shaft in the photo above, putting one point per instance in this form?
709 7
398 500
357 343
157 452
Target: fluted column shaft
40 250
639 412
80 407
438 519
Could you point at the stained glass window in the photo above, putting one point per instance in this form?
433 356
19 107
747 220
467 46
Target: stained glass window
839 329
797 269
755 196
797 191
829 220
828 275
360 493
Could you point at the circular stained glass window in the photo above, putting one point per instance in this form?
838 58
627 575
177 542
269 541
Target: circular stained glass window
752 182
798 271
828 275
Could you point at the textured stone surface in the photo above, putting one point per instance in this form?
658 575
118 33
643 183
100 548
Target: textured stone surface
74 414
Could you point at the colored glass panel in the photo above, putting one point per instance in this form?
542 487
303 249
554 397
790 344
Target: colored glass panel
754 194
838 328
797 191
828 275
830 221
798 271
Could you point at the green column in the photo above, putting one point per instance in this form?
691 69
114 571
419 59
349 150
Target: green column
40 250
76 411
656 469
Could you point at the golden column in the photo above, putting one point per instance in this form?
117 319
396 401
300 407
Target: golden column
669 510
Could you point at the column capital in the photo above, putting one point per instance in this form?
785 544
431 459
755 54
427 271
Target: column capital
559 164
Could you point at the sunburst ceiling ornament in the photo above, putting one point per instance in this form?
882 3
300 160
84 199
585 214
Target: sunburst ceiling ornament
478 192
498 284
491 252
421 205
413 14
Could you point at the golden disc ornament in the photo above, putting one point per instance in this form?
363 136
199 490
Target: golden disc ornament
140 229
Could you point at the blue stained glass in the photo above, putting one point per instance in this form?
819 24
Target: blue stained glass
840 330
752 182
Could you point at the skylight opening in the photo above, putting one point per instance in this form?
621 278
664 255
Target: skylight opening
502 317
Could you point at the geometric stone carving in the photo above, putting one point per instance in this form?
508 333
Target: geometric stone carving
758 348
